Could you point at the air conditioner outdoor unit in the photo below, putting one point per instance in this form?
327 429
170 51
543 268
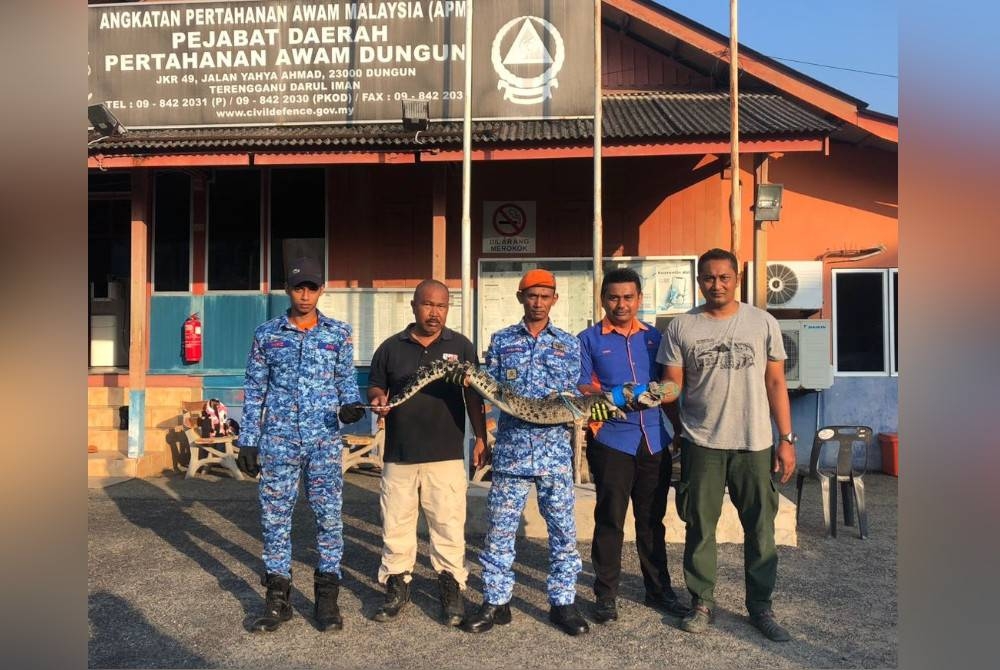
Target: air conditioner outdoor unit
807 344
790 284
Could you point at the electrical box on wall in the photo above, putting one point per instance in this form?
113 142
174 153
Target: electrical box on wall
790 284
807 345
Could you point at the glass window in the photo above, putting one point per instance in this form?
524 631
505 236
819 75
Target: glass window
108 244
860 321
234 231
298 218
172 232
895 321
112 181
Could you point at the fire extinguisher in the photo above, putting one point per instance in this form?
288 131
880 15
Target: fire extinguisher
192 339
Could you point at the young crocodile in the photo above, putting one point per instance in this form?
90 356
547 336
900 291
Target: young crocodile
552 410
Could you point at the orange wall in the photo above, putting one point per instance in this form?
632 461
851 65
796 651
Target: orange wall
380 227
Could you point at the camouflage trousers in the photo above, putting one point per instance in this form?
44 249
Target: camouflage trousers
505 503
282 462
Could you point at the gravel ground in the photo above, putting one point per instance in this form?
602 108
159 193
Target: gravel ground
173 583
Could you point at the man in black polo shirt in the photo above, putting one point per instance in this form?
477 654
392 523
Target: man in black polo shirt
424 466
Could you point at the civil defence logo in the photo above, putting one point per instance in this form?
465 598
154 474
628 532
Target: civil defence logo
528 53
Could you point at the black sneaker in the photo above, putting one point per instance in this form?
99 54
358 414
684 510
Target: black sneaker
485 617
452 602
568 618
605 610
277 608
766 624
326 587
698 620
667 602
397 594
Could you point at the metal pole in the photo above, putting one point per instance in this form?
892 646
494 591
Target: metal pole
467 180
734 129
598 196
759 296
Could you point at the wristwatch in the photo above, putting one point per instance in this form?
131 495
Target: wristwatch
790 438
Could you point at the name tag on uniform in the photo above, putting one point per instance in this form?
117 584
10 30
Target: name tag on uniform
328 346
450 357
559 346
275 344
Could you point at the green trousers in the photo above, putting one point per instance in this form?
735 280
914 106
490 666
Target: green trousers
705 473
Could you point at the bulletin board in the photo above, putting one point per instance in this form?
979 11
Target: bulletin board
668 287
375 314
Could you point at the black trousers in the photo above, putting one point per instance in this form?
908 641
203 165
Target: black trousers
619 477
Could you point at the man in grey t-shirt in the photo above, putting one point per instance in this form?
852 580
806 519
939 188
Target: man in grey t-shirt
728 358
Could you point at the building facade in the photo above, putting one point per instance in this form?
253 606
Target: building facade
199 220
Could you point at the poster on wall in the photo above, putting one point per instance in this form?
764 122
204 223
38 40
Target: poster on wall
675 287
509 227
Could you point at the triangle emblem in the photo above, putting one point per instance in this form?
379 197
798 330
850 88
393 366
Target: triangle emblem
528 48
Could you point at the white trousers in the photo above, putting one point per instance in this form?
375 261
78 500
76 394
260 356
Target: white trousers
439 490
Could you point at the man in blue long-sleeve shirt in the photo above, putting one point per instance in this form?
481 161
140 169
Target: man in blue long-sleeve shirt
627 457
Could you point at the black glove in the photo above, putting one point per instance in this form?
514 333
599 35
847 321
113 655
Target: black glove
456 377
246 461
600 411
355 411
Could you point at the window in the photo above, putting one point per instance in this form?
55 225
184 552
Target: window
172 232
864 322
108 246
894 306
298 218
234 231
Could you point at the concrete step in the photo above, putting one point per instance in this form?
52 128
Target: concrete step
111 464
108 439
102 396
533 525
103 417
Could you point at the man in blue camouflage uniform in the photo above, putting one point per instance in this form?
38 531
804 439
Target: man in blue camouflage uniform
299 387
536 359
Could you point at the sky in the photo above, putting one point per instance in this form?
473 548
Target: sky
855 34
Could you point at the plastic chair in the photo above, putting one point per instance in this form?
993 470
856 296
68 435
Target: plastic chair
852 485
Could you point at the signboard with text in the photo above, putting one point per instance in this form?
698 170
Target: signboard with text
277 62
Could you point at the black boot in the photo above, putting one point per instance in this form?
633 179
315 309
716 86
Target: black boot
485 617
277 609
568 618
397 594
452 603
327 587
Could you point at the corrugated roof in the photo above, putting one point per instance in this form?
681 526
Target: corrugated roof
628 117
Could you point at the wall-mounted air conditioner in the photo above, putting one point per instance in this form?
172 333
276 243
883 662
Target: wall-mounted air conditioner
807 344
790 284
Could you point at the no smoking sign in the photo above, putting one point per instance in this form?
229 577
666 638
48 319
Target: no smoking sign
509 227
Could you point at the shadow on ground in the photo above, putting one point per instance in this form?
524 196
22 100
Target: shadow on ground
174 580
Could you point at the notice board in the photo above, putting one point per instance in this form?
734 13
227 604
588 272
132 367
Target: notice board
668 287
375 314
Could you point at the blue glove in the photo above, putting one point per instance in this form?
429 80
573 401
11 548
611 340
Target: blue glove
352 412
627 400
247 461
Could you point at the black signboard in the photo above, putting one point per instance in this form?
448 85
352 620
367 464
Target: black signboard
277 62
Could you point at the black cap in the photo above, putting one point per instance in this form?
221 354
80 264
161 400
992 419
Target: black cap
303 270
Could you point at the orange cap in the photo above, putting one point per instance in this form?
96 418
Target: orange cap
537 277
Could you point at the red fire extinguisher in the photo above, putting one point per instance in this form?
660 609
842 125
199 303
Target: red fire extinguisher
192 339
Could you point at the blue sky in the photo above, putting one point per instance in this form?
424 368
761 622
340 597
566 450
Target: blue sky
857 34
